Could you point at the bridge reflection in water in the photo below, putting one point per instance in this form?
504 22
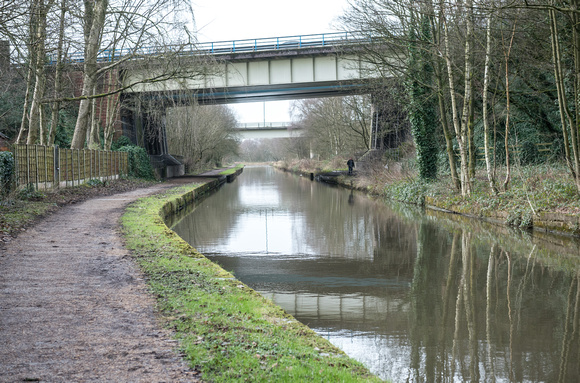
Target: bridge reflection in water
352 312
413 296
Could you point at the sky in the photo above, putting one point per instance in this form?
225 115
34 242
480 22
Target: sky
226 20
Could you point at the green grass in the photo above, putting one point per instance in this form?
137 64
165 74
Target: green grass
232 170
227 331
17 214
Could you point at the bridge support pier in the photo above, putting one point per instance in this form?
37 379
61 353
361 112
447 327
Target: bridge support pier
145 125
389 125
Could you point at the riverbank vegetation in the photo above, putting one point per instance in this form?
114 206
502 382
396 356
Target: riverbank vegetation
541 196
232 170
227 332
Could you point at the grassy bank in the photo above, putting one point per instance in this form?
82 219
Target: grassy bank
232 170
227 331
540 196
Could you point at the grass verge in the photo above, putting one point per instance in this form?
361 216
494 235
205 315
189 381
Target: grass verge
227 331
231 171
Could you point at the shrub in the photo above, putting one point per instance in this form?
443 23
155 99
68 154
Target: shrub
139 164
122 141
95 182
6 172
30 193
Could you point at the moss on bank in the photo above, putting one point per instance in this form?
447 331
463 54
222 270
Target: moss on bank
233 170
227 331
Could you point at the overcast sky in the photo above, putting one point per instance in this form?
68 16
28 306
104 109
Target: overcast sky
225 20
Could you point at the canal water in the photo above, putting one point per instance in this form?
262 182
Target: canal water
415 296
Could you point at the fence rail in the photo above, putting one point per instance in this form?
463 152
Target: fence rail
49 167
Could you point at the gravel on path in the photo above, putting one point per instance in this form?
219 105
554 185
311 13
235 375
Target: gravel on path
74 306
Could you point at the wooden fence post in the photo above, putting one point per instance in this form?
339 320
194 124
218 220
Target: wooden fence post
56 174
27 166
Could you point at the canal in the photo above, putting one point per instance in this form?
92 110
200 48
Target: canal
415 296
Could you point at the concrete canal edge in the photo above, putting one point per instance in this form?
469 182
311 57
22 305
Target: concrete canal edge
218 337
548 222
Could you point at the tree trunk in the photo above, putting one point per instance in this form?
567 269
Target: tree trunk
566 117
55 107
467 100
575 128
447 133
97 10
112 105
35 128
471 138
460 126
23 132
94 123
32 24
508 111
490 173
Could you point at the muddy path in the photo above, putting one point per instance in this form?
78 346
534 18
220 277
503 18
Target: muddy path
75 308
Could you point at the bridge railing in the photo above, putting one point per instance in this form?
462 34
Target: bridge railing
233 46
279 43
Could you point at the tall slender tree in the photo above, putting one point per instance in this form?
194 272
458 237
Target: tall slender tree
422 114
567 74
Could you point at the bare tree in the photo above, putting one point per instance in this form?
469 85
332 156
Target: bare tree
335 126
570 116
486 75
57 83
201 134
32 123
460 121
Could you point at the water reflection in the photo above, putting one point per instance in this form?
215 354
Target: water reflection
414 297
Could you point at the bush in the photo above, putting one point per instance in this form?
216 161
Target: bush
122 141
6 172
529 153
409 191
30 193
139 164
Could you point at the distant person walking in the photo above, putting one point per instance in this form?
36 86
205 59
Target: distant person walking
350 164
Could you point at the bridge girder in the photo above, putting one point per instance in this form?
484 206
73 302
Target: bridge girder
263 77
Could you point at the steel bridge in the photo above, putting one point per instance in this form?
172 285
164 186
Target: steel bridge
265 69
276 68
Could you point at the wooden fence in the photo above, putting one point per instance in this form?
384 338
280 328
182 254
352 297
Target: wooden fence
48 167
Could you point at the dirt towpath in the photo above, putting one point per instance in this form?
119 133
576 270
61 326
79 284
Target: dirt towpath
74 307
